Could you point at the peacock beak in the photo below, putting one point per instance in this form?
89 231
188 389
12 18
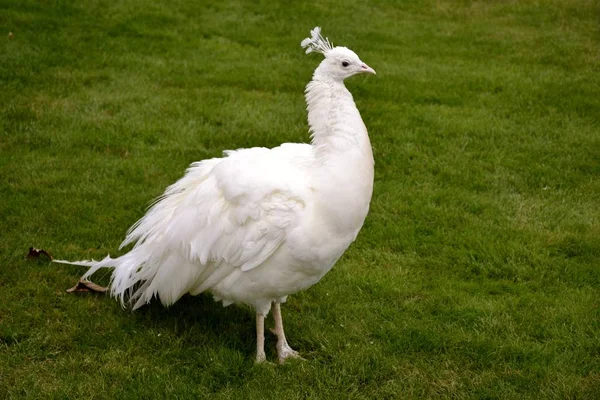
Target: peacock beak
365 68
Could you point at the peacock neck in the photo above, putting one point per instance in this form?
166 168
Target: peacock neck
335 123
343 174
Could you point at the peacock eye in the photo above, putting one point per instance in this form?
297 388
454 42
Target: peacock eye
345 64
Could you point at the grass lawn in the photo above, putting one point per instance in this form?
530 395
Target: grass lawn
476 275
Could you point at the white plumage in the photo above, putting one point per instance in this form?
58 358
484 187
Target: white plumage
259 224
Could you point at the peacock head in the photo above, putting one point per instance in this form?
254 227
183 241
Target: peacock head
339 63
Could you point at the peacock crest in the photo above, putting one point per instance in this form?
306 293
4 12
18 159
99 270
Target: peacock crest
316 42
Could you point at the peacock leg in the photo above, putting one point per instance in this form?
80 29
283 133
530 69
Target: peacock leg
260 339
284 351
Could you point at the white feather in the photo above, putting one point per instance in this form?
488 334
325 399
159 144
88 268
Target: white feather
258 224
316 42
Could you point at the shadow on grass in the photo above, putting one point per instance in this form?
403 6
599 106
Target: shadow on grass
199 321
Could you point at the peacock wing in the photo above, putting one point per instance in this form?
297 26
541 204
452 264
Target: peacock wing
224 214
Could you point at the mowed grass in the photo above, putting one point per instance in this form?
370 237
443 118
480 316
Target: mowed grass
476 275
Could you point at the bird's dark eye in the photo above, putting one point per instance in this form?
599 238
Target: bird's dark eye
345 64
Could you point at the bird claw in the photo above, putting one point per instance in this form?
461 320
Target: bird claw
284 351
260 358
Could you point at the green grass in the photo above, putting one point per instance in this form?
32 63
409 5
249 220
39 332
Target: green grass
476 276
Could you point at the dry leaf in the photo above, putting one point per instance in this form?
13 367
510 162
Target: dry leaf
36 253
87 286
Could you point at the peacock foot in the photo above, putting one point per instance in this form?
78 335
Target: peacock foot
284 351
260 358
